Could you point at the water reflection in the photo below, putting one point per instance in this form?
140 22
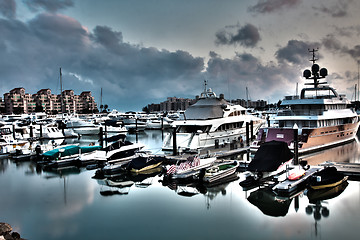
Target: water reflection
120 184
68 203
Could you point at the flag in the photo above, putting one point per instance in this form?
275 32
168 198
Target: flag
172 169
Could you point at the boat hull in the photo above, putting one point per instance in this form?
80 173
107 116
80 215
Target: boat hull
310 139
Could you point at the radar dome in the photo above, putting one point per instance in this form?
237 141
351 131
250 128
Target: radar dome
307 73
315 68
323 72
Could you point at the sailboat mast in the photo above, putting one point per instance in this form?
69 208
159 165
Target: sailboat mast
61 96
101 97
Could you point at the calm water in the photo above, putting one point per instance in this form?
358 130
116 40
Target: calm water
70 204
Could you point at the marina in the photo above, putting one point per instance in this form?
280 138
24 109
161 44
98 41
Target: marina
72 200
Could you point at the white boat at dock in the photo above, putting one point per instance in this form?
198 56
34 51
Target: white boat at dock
320 117
209 122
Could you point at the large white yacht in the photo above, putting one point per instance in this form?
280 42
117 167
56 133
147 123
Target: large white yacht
210 121
321 116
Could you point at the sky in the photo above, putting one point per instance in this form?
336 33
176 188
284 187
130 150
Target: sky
142 51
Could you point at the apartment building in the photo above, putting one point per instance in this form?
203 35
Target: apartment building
17 101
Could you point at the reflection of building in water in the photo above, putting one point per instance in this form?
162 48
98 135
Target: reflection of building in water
344 153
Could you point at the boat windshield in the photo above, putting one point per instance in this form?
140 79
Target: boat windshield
193 129
318 93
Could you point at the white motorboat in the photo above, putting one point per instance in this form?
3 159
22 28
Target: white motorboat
83 127
116 152
158 123
8 144
210 121
319 116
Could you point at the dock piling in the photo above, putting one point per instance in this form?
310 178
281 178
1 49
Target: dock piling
174 142
247 134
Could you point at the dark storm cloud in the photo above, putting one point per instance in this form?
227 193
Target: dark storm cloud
130 75
247 36
354 52
339 9
8 8
108 38
246 70
295 52
269 6
331 43
48 5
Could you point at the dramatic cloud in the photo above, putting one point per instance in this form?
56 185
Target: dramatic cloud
246 70
247 36
269 6
8 8
331 43
296 52
49 5
130 75
337 9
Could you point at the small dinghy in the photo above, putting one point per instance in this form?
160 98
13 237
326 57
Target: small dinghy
220 170
327 178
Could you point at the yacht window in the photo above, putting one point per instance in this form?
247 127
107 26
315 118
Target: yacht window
193 129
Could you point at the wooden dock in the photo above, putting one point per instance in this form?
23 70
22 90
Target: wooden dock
289 186
221 152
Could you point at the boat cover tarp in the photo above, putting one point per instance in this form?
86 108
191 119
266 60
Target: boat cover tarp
86 149
141 162
328 175
206 108
64 151
270 156
69 150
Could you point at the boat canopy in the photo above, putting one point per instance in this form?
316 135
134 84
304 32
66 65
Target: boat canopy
206 108
270 156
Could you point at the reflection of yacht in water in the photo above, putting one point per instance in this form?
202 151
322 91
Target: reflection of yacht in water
210 121
346 153
320 115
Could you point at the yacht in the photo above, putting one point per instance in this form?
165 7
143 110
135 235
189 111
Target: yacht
211 121
320 117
